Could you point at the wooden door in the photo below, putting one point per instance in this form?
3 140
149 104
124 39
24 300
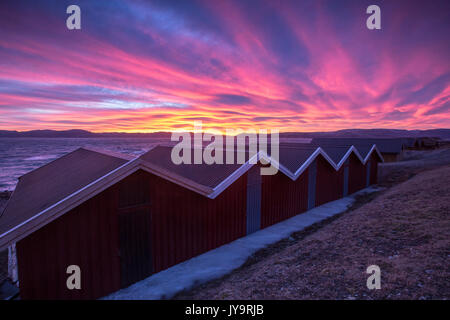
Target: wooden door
135 244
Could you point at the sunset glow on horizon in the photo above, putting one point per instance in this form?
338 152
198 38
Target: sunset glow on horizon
145 66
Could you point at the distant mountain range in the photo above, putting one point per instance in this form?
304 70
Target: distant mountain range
374 133
347 133
77 133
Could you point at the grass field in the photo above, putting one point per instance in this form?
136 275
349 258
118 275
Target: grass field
404 231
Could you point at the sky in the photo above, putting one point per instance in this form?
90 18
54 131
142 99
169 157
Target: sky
144 66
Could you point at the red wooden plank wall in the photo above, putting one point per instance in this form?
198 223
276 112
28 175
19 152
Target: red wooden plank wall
329 182
374 168
134 218
282 198
183 224
86 236
186 224
356 174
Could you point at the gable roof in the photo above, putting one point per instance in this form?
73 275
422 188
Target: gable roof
41 188
52 190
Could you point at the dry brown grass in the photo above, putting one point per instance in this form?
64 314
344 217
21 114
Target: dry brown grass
392 173
404 231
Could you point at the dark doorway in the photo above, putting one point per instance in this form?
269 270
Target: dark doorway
135 244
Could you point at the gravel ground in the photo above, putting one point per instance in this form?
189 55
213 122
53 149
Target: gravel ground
404 231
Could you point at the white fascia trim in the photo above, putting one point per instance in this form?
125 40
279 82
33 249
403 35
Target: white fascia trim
326 156
344 158
350 150
244 168
293 176
234 176
303 167
374 148
178 180
356 152
314 155
268 159
308 161
305 164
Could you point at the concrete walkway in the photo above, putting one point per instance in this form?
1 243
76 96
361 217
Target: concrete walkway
221 261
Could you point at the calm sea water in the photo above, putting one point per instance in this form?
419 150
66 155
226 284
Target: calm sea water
21 155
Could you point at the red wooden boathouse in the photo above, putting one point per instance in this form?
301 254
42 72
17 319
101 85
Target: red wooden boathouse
121 219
